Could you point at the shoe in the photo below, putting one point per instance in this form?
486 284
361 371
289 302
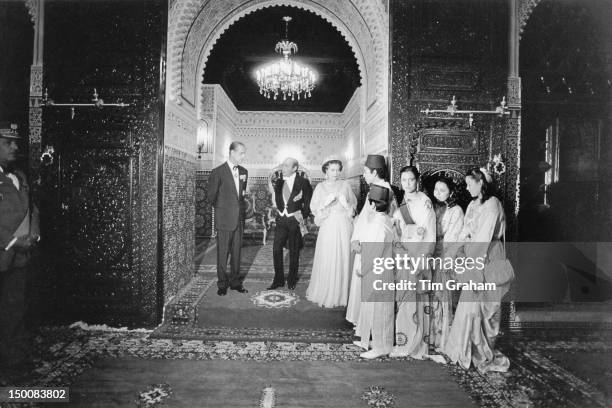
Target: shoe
372 354
240 289
222 291
435 357
275 286
291 286
398 353
358 344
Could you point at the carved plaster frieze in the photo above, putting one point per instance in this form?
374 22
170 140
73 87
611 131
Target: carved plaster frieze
207 102
289 133
179 122
290 119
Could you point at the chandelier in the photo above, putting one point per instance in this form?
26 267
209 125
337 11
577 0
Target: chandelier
285 76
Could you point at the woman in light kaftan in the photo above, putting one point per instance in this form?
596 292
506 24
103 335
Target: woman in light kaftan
333 205
476 323
374 173
376 315
416 222
449 223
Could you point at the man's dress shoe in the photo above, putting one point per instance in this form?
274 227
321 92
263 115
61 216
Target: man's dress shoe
222 291
240 289
275 286
291 286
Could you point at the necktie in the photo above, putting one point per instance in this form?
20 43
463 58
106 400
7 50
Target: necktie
236 180
286 192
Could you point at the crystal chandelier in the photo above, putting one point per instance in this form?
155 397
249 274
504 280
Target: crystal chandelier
285 76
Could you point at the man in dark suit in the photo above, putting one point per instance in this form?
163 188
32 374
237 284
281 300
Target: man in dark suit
226 189
19 231
292 194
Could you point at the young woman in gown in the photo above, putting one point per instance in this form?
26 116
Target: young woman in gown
333 205
476 323
416 222
449 222
377 311
374 173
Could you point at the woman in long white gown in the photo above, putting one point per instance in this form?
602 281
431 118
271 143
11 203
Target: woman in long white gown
417 224
449 222
333 205
477 318
374 172
377 311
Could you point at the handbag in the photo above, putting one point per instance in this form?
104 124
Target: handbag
500 271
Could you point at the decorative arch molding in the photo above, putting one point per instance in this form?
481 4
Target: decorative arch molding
196 25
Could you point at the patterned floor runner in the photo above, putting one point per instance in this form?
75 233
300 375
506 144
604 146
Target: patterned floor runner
260 315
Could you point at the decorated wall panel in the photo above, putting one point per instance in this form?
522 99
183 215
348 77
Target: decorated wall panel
270 137
445 49
179 219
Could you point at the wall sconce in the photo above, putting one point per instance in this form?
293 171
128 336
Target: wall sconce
202 139
95 102
452 110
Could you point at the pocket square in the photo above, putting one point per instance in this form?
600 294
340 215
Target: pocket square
297 197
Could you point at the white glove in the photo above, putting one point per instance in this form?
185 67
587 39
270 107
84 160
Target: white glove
343 201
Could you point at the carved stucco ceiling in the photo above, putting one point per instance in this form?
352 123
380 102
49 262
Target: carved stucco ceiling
250 42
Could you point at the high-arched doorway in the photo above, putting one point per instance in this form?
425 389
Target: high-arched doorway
192 107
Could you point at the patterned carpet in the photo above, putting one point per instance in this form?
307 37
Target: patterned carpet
260 315
113 382
255 258
109 367
63 355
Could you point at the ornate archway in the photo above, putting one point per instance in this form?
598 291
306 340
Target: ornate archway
195 26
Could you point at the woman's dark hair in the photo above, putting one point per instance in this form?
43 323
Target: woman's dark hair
411 169
451 201
329 163
381 206
487 186
381 172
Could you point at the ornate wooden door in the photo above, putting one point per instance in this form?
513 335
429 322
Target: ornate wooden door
98 197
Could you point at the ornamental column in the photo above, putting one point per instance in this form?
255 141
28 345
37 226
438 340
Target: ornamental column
37 13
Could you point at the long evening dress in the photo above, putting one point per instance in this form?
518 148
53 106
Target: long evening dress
329 281
477 318
449 223
412 321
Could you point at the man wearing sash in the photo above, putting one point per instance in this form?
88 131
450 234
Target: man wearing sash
19 231
292 194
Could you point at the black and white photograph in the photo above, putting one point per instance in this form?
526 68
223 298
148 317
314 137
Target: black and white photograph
306 203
